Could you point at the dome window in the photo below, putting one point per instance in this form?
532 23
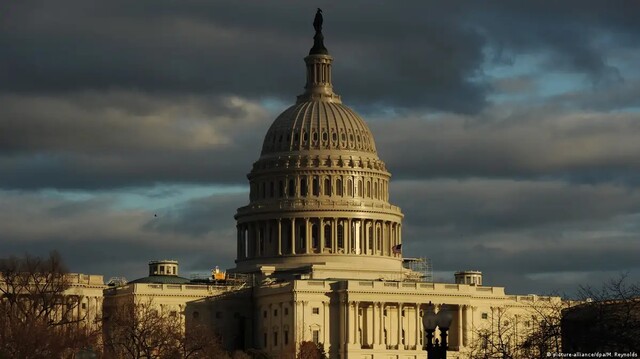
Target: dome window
305 137
315 136
325 137
334 137
343 137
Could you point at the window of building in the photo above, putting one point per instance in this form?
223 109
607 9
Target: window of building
218 315
303 186
286 311
161 269
275 338
84 305
339 187
316 186
195 315
327 187
485 316
275 312
292 188
264 340
264 314
315 310
281 189
271 190
286 337
316 336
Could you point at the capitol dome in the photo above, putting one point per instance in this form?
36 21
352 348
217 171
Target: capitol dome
318 125
319 202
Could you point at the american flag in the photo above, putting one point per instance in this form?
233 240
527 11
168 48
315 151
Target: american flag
397 249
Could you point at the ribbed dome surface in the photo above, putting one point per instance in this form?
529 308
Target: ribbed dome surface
318 125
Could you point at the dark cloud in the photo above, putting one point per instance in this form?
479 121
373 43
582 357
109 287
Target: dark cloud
513 142
126 139
96 235
538 192
526 229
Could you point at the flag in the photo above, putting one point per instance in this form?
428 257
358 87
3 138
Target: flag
397 249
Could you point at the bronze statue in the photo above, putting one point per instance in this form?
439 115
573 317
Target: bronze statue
317 21
318 39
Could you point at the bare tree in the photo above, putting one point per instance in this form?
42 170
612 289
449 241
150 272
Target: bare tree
311 350
530 332
608 319
140 330
38 318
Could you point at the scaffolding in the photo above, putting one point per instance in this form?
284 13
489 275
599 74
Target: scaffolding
420 269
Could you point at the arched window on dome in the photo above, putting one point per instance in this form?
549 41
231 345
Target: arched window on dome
303 186
316 186
327 186
271 189
368 194
339 187
281 188
292 188
360 188
327 235
375 190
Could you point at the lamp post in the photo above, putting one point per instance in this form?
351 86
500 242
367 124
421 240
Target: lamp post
442 320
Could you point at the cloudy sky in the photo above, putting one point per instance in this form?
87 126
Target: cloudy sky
511 128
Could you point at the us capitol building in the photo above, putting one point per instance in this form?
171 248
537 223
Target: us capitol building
322 243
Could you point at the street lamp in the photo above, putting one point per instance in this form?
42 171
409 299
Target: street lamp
442 320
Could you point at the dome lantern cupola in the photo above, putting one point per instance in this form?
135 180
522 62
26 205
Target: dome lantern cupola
318 62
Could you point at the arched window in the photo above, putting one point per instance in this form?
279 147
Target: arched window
349 188
360 188
281 189
271 189
327 186
327 235
375 190
339 187
292 188
316 186
303 186
368 194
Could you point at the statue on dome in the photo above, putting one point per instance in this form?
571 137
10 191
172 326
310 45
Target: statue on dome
317 21
318 39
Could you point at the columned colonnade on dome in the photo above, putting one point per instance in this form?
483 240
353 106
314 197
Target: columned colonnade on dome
317 235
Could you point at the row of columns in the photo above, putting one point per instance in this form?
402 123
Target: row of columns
369 329
286 236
